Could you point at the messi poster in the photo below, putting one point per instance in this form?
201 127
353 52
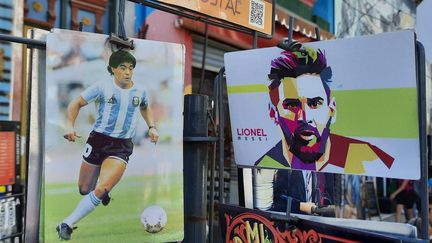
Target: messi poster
113 140
341 106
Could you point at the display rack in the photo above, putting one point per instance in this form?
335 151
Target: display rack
12 188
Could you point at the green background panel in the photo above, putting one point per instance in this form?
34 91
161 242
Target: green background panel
390 113
251 88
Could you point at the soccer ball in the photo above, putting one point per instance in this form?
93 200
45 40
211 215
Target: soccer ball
154 219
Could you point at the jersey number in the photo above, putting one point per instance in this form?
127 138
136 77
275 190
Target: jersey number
87 151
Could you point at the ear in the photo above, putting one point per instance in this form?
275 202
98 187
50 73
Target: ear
273 113
332 106
110 70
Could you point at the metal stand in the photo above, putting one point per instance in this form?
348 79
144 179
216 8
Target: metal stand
421 82
290 221
195 168
120 40
204 55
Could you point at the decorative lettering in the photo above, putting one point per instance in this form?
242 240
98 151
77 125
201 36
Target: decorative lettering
253 228
258 132
230 5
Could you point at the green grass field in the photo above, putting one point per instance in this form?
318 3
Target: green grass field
120 220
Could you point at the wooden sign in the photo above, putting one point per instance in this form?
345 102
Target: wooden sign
242 225
253 14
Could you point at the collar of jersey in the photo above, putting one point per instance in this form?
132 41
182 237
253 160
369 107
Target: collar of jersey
121 89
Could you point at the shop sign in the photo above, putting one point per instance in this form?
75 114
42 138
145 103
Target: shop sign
253 14
241 225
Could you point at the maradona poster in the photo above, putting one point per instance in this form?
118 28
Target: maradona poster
113 142
342 106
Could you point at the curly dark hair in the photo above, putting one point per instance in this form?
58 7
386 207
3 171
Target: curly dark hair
119 57
294 63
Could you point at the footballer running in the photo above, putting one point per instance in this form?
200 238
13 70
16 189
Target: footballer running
119 105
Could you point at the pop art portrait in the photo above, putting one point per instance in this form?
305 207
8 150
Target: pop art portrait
303 107
330 106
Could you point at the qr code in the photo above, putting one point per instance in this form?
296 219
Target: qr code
256 13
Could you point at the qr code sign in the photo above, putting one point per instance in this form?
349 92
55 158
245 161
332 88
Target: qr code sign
256 13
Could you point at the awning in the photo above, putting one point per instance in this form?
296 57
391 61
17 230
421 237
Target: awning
300 25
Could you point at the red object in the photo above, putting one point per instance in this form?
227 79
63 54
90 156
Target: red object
7 158
342 144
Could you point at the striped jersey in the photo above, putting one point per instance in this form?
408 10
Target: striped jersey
118 110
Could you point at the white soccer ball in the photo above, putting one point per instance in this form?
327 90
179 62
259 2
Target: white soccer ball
154 219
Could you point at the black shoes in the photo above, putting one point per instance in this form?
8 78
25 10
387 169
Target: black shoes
106 199
64 231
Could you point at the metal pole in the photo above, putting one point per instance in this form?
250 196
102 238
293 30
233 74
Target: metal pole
213 165
254 186
121 29
33 232
195 168
254 170
203 61
421 79
255 39
290 30
212 177
221 136
317 33
63 14
32 43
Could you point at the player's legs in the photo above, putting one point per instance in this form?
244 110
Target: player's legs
88 177
105 174
112 170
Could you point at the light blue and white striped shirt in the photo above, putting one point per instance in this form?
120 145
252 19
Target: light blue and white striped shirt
118 109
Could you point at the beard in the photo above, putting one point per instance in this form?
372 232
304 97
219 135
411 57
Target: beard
300 147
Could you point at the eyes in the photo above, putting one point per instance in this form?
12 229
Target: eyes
295 104
314 103
291 104
124 68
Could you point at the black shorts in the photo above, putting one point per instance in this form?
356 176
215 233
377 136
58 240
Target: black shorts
100 146
407 198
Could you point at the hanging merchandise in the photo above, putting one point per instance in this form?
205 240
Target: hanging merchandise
329 106
113 140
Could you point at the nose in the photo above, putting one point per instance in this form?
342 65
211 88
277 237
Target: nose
304 114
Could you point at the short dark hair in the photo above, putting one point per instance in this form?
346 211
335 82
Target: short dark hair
295 63
119 57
